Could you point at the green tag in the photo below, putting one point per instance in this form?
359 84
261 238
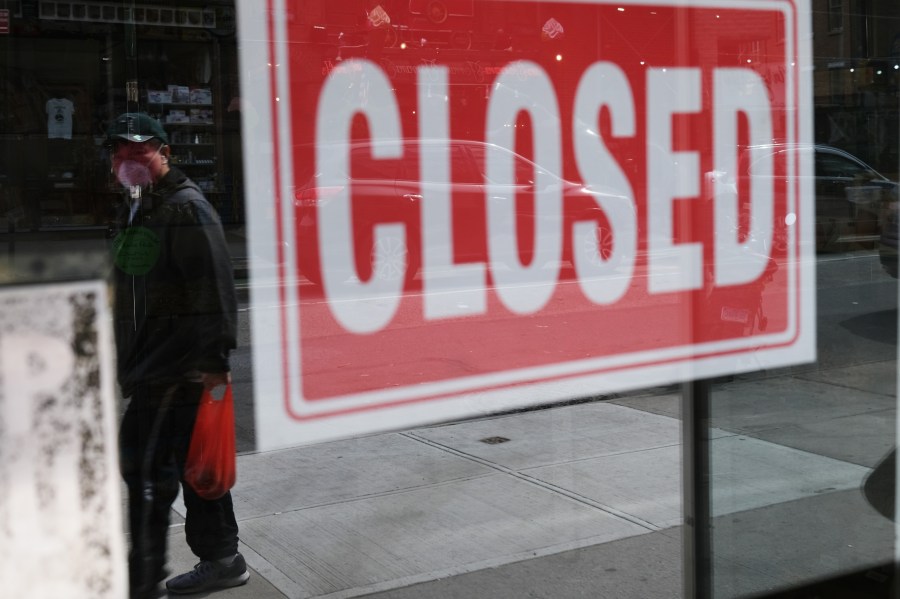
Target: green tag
136 250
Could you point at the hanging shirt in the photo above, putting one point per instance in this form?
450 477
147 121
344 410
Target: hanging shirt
59 118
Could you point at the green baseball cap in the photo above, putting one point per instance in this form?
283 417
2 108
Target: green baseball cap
138 127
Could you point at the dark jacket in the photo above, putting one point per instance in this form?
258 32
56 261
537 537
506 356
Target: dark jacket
175 305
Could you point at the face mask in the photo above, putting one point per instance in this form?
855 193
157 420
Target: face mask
132 173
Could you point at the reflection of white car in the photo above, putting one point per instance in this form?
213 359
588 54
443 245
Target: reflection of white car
849 199
389 191
849 196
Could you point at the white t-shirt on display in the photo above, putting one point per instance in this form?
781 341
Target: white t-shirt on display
59 118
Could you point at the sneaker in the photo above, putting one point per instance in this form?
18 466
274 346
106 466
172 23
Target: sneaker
210 575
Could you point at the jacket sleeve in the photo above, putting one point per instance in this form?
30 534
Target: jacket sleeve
201 254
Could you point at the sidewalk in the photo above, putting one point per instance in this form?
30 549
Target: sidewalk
581 500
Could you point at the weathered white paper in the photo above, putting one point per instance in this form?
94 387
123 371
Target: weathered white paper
60 507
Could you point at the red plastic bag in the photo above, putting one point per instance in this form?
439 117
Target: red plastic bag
210 468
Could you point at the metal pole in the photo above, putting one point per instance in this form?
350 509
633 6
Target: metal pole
696 474
11 230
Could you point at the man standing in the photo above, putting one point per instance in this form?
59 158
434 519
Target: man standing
175 324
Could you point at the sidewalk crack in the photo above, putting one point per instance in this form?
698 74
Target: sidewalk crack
578 498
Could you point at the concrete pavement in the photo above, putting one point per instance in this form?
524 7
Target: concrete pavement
576 501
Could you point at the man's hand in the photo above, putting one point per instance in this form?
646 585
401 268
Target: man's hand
211 380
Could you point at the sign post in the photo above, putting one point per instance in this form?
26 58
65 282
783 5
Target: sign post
696 453
568 207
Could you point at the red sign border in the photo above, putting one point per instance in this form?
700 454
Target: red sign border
277 168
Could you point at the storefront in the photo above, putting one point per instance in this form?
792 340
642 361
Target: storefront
65 70
473 359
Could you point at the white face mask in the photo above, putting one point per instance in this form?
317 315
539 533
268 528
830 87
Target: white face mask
132 173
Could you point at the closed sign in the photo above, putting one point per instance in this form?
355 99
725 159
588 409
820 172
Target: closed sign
519 203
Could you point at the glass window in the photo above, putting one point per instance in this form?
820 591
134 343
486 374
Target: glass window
835 15
484 385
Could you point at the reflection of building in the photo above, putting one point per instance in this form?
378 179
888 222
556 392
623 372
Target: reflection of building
857 77
856 49
473 40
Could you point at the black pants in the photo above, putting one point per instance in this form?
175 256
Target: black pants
153 441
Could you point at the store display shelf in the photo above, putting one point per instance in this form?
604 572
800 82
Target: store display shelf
179 104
